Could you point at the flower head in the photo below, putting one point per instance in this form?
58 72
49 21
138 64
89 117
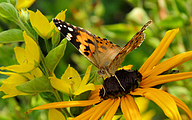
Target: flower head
74 85
15 79
41 24
27 58
111 96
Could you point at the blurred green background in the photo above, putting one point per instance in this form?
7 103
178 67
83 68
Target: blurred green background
118 21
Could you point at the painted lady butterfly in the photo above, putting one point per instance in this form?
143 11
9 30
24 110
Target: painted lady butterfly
105 55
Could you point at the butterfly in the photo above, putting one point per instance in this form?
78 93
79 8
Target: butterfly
105 55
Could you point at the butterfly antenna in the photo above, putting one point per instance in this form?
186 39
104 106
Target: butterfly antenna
81 75
119 83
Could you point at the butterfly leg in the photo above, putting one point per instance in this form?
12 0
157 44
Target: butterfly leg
119 83
104 91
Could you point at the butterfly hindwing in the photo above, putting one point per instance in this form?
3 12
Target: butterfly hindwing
134 43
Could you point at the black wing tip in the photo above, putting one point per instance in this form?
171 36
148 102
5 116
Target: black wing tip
56 21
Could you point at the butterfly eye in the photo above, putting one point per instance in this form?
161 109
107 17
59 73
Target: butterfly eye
101 71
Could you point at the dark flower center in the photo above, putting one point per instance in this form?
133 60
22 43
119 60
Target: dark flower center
129 80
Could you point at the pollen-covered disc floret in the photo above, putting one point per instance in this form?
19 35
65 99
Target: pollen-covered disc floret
129 80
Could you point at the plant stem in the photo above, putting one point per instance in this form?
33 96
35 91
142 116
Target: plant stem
47 44
18 22
64 110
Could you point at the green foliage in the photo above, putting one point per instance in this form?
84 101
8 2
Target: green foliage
54 56
37 85
11 35
9 12
116 20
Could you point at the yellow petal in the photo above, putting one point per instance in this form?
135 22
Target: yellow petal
31 49
117 117
84 88
60 85
183 106
20 55
111 112
87 75
103 107
148 115
169 64
129 108
95 93
24 3
96 112
61 15
142 103
7 73
75 80
162 99
55 115
9 84
159 51
157 80
36 73
87 114
65 104
33 74
40 23
128 67
18 68
69 118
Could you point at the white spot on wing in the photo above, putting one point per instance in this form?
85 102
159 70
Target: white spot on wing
70 29
64 26
59 28
68 36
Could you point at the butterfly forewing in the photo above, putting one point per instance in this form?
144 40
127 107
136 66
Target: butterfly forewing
99 51
79 37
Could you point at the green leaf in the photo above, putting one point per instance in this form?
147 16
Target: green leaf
9 12
55 38
12 35
49 97
54 56
37 85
